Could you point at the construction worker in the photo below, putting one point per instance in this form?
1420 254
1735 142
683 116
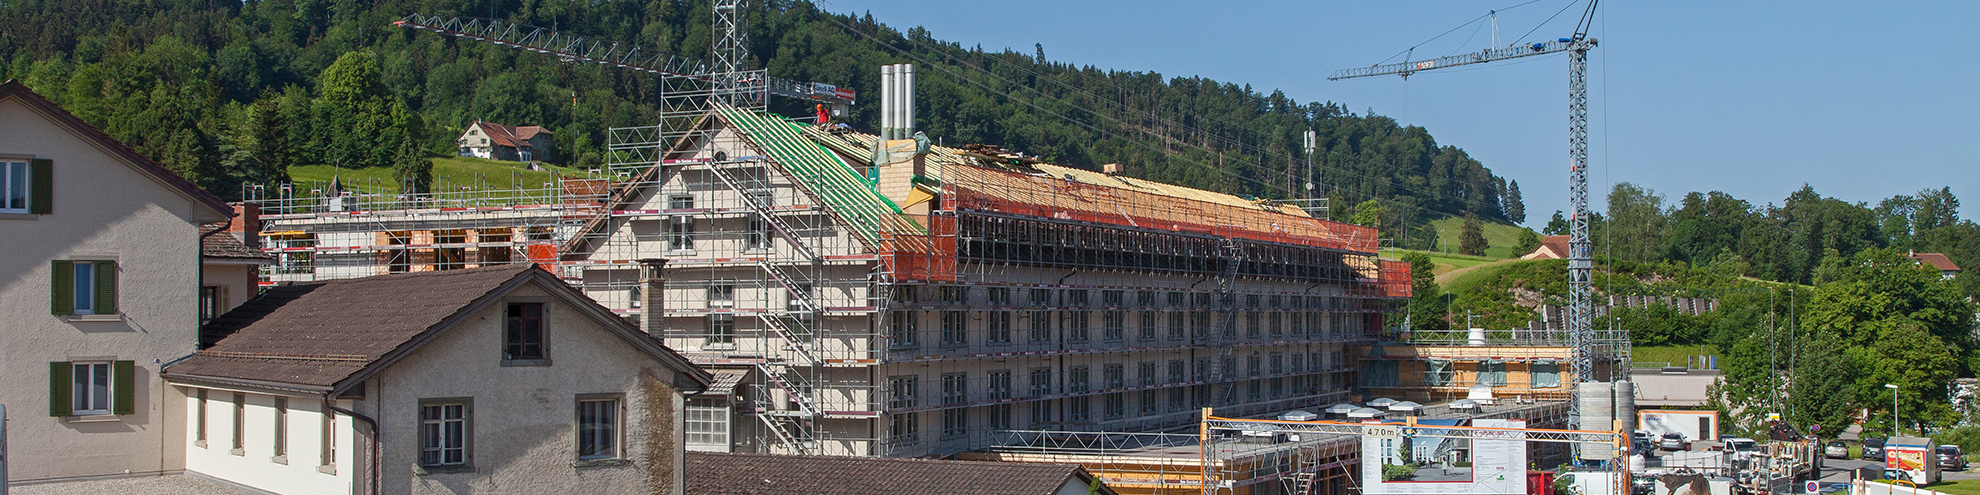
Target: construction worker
823 116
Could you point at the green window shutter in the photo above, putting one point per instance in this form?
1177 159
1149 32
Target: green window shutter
62 287
59 383
106 287
123 383
41 186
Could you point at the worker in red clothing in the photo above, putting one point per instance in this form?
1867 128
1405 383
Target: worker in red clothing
823 116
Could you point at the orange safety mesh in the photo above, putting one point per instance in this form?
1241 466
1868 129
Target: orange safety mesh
579 191
984 189
1395 278
543 254
909 255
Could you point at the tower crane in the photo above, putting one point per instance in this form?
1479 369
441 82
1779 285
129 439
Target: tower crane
1581 306
725 76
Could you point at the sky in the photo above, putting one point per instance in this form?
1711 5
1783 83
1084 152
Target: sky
1860 100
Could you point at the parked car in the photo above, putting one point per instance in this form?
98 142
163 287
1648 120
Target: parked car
1741 448
1873 449
1673 441
1951 459
1836 450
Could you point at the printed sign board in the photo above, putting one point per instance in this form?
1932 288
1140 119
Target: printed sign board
1694 425
1488 463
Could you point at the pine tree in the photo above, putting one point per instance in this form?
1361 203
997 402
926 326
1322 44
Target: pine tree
1515 207
1472 240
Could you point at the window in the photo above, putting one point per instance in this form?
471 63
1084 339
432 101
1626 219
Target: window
680 228
1145 298
1079 410
1178 399
1546 374
1076 379
1252 365
1151 402
1252 301
1115 406
1293 323
757 237
1041 297
199 418
955 328
799 302
1114 376
1076 325
1176 372
1111 325
722 329
721 296
282 427
17 179
1254 391
1041 326
1175 299
953 294
902 430
598 428
1000 416
708 424
212 299
999 386
90 388
1041 382
328 454
443 433
907 294
1276 301
1147 324
1000 327
1251 324
1298 362
1076 297
84 287
524 341
999 296
240 424
1111 298
955 388
1272 325
903 329
901 391
955 423
1146 373
1278 363
1176 327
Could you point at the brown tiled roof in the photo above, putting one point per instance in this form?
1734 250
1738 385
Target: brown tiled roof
1937 260
498 134
766 474
528 132
55 113
1551 247
321 336
222 244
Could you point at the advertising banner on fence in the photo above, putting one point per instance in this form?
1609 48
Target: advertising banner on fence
1491 462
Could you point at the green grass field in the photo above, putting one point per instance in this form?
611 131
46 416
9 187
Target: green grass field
1675 355
1500 238
1445 262
449 174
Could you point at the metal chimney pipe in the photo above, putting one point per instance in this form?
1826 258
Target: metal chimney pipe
886 101
907 100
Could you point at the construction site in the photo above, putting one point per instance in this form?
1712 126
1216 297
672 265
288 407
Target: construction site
874 294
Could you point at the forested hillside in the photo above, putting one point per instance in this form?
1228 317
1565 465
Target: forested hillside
228 92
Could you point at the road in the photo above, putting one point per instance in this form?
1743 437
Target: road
1837 470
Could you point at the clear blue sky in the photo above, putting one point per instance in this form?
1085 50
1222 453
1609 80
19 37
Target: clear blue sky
1861 100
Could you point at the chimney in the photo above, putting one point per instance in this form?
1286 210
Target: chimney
247 224
1111 168
653 297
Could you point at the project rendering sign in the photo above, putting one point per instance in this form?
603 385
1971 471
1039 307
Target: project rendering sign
1491 462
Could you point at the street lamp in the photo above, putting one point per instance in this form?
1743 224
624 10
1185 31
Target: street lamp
1894 416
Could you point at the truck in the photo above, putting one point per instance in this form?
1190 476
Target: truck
1912 459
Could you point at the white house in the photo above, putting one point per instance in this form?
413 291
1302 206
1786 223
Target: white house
500 142
101 286
486 380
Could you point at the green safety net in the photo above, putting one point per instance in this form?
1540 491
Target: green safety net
837 184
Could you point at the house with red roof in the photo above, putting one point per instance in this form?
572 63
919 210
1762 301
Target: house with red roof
1939 261
500 142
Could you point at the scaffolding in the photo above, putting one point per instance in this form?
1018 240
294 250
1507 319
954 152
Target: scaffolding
792 253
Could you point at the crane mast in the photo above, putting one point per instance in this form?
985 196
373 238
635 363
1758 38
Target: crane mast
1581 264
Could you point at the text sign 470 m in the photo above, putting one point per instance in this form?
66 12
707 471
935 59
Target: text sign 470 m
1382 432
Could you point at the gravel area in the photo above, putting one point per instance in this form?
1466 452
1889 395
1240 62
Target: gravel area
158 485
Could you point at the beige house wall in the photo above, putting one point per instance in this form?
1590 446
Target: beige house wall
523 418
103 209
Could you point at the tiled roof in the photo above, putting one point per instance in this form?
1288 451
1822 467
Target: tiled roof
224 245
1937 260
767 474
1551 247
725 380
513 137
317 336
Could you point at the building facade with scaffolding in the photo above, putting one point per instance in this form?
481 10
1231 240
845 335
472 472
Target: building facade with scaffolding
888 298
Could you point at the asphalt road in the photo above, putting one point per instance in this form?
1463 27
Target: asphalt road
1837 470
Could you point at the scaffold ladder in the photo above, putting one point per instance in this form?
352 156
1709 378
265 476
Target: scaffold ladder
1232 252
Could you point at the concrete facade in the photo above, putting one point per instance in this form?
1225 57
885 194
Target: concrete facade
105 207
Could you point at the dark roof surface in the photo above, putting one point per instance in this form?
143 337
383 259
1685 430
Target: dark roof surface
223 245
319 334
144 164
749 474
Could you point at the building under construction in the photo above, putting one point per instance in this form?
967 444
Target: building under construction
867 296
